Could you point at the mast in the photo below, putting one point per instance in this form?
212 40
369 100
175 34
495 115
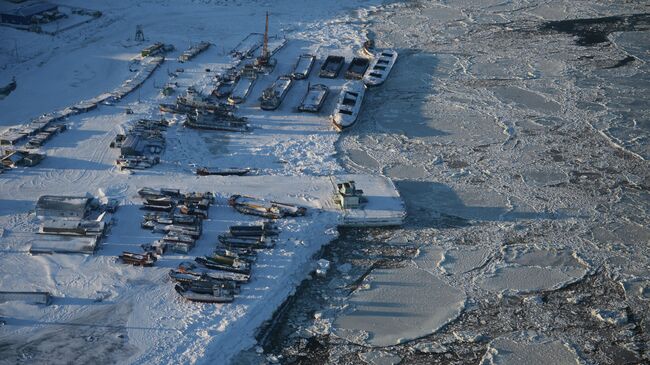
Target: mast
265 50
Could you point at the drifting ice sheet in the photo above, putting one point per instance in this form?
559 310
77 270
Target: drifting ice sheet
527 271
401 305
529 348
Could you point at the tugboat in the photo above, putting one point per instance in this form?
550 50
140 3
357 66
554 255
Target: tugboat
272 96
349 104
314 98
331 67
380 67
303 66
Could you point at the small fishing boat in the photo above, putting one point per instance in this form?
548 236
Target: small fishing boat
217 121
314 98
380 67
349 104
193 210
357 68
303 66
194 268
157 193
224 264
194 100
222 171
137 259
135 162
162 204
202 283
260 242
268 209
332 66
218 295
264 229
177 237
242 253
272 96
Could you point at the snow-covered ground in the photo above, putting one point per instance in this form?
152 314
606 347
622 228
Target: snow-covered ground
106 312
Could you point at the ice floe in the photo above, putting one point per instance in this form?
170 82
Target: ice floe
529 348
399 305
526 270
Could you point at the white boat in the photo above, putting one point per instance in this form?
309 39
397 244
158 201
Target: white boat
303 66
380 67
314 98
349 104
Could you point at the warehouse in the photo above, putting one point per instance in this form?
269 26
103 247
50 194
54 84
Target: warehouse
29 14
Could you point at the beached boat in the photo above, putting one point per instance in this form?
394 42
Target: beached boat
147 192
194 100
197 269
357 68
272 96
304 65
176 109
136 259
241 253
264 229
177 237
136 162
163 204
203 283
217 121
332 66
268 209
218 295
380 67
194 232
314 98
222 171
193 210
236 266
347 109
241 90
229 240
